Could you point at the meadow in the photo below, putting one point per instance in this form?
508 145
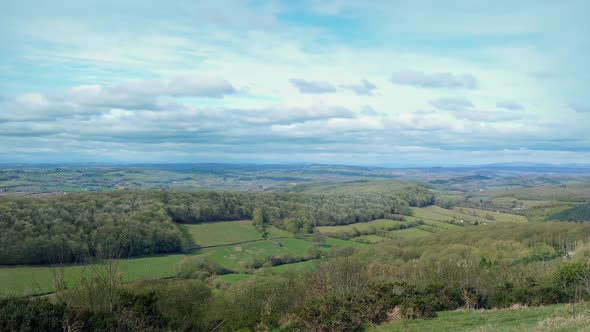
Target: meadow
546 318
39 279
227 232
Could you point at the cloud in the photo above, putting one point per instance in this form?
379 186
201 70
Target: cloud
364 88
434 81
510 105
452 104
145 93
488 116
181 87
258 47
313 87
579 108
464 109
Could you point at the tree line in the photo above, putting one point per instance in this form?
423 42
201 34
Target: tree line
73 227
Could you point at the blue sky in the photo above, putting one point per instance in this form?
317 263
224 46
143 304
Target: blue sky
349 82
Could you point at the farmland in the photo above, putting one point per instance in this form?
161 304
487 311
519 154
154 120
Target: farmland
227 232
39 279
477 241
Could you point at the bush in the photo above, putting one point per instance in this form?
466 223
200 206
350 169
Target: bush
419 307
198 267
332 313
21 314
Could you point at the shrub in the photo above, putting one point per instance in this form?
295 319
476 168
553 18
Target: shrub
198 267
21 314
332 313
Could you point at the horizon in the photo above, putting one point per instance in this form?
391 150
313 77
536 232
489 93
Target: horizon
380 84
254 164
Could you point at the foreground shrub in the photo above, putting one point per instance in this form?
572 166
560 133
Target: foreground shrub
21 314
332 313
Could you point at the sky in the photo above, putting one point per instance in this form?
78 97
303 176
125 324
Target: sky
388 83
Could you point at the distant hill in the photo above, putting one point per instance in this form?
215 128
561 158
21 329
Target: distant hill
578 213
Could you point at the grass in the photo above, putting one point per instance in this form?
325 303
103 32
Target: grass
365 226
526 203
15 280
498 216
234 278
300 266
39 279
234 257
435 213
370 239
332 242
226 232
409 233
362 186
547 318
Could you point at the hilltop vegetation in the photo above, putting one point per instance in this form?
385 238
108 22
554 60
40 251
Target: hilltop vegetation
134 223
469 268
578 213
322 256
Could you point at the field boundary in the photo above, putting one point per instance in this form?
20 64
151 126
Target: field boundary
193 249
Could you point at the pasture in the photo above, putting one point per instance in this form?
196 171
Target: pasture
227 232
362 227
547 318
39 279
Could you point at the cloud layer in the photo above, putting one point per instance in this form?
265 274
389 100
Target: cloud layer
278 81
434 81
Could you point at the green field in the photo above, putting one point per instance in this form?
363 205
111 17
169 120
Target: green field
362 227
409 233
466 214
547 318
233 278
300 266
232 257
497 216
39 279
227 232
369 239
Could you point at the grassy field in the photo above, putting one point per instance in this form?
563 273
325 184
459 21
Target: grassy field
498 216
361 186
225 232
466 214
548 318
234 278
234 257
434 220
39 279
526 203
365 226
300 266
576 192
409 233
369 239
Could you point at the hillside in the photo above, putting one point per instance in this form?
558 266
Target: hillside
579 213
